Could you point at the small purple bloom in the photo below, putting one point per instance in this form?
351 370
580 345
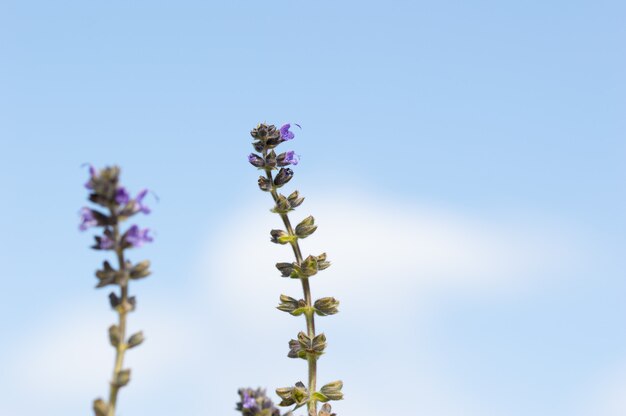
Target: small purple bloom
285 134
140 207
105 242
87 219
291 158
136 237
248 401
92 175
121 196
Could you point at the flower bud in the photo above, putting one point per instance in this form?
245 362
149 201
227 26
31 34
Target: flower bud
264 184
297 395
308 267
291 305
281 237
295 350
140 270
326 306
135 339
114 300
282 205
122 378
319 344
100 408
321 262
326 411
306 227
284 175
285 269
114 335
256 160
333 390
270 159
295 200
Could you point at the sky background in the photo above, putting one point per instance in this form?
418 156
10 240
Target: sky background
465 162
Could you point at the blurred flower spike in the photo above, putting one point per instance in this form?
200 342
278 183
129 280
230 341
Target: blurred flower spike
114 206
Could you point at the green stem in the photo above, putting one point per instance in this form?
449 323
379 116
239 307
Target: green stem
306 288
122 310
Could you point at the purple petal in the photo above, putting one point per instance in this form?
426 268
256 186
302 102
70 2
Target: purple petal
285 134
140 207
121 196
87 219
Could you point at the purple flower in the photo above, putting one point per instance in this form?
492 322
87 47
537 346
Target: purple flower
248 401
291 158
285 134
136 237
105 242
87 219
140 207
121 196
92 175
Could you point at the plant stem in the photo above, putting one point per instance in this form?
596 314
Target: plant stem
310 320
122 310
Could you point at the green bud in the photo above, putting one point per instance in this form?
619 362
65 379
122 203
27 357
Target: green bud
122 378
114 335
326 306
100 408
333 390
135 339
306 227
281 237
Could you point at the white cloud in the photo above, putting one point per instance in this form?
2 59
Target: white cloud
389 261
384 251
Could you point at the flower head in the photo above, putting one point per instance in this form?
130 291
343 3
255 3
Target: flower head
136 237
285 134
87 219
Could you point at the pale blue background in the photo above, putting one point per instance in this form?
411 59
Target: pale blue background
491 109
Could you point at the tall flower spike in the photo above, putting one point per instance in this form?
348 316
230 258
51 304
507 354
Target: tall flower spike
106 191
308 345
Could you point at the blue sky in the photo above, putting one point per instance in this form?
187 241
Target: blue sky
472 151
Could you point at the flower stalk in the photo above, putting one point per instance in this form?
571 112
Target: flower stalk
309 345
106 192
